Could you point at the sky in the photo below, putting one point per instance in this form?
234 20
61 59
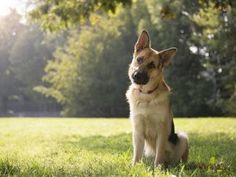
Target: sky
5 5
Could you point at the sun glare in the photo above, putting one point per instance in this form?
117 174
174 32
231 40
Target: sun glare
6 5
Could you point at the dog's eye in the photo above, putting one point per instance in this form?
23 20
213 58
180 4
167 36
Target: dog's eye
151 65
140 60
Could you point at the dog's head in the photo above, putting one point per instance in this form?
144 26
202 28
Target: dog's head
147 64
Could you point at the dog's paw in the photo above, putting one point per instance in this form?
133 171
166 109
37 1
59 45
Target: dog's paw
159 162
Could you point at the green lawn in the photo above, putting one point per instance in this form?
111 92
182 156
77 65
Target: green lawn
102 147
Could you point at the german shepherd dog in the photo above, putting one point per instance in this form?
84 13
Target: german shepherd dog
150 112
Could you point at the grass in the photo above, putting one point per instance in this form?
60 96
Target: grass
102 147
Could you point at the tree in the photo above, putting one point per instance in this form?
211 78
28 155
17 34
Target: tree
9 30
24 52
28 57
88 75
216 20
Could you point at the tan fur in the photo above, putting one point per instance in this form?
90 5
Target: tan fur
150 114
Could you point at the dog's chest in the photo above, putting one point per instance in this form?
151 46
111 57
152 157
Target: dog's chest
148 113
154 112
154 109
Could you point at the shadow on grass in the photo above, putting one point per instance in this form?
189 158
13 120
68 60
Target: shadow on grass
102 144
212 152
219 145
201 146
210 155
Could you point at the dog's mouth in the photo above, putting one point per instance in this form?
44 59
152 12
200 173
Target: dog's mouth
140 78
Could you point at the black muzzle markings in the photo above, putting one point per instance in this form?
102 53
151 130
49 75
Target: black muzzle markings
140 77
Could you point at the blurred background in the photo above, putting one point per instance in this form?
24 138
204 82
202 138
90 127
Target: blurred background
70 58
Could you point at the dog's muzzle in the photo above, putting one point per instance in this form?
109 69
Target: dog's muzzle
140 78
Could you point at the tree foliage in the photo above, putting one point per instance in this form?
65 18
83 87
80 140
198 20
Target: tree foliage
87 73
59 14
215 40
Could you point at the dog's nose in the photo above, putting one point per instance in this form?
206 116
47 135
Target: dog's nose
137 75
140 77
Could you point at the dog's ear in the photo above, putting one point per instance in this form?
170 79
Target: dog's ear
142 42
167 55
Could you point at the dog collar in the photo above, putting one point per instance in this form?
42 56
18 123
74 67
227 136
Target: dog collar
150 91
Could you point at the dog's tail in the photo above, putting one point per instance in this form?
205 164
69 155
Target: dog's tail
182 149
179 151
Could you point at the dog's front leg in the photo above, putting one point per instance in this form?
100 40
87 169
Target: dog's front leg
161 145
138 146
